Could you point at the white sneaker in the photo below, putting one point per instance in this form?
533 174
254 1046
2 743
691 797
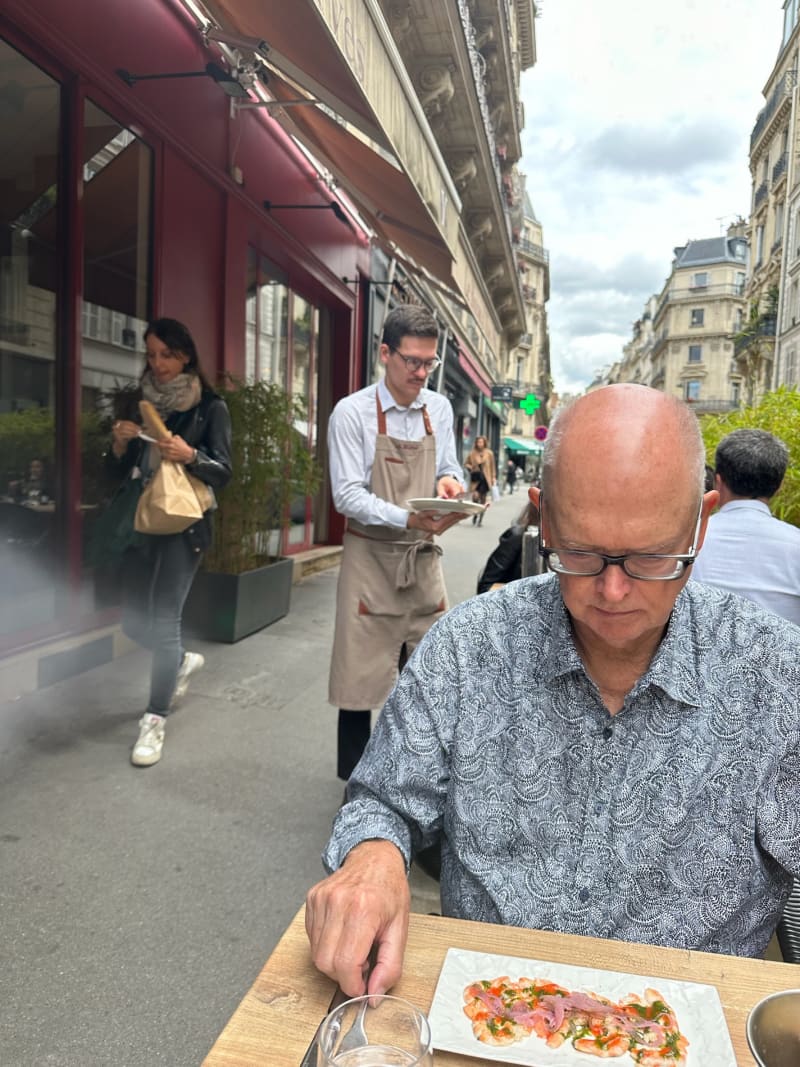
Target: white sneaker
147 749
191 662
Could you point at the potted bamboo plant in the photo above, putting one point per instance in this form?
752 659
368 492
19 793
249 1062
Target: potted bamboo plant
244 583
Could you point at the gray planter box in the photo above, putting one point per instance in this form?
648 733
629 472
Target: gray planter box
228 607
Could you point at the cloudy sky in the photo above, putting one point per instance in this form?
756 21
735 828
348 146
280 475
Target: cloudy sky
637 127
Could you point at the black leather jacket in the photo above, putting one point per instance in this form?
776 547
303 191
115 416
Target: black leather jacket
206 427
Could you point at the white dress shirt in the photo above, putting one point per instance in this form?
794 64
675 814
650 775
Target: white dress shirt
352 432
750 552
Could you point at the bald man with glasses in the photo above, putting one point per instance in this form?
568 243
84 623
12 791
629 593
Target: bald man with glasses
603 750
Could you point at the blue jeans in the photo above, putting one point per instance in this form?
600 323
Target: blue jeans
156 583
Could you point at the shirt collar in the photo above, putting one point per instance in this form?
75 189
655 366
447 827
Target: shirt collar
673 668
388 401
746 505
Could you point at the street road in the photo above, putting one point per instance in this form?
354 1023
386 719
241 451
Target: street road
138 905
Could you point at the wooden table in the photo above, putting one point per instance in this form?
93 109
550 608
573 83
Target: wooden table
275 1022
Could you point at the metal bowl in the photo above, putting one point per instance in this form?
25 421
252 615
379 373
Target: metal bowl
773 1030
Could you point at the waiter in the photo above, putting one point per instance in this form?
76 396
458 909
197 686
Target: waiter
388 443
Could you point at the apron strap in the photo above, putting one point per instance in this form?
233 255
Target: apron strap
382 418
407 569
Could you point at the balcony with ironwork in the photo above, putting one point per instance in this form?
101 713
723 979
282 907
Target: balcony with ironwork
711 406
762 331
760 195
705 292
780 94
779 169
534 251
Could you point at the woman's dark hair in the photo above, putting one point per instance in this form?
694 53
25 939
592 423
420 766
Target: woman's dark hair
177 338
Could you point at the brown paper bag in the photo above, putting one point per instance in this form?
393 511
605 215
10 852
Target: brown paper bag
169 502
173 499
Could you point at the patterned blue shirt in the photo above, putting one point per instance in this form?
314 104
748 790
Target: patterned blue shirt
674 822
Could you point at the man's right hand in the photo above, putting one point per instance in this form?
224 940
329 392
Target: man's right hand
365 902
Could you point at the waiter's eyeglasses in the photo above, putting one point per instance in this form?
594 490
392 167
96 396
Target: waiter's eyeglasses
414 364
646 566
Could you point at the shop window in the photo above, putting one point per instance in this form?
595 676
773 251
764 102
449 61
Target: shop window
29 343
266 321
281 341
117 199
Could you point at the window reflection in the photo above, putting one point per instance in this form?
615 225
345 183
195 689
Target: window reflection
29 272
117 191
281 331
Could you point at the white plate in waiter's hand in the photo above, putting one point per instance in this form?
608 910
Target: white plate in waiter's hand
433 503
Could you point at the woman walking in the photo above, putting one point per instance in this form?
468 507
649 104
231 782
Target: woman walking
482 472
158 575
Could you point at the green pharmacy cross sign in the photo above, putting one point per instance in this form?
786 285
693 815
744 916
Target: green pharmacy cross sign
530 404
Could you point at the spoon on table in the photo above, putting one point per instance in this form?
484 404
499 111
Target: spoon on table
773 1030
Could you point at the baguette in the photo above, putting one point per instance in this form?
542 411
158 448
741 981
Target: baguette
153 423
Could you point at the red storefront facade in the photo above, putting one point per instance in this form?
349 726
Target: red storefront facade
123 202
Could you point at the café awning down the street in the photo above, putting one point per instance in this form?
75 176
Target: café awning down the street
527 445
343 56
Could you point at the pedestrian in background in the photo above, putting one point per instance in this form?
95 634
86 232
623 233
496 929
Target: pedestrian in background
483 473
158 572
511 475
388 443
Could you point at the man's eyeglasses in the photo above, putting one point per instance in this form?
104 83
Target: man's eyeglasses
414 364
646 566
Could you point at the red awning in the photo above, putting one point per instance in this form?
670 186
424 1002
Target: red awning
380 190
474 373
409 198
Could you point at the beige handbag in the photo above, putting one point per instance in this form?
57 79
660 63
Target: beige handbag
173 499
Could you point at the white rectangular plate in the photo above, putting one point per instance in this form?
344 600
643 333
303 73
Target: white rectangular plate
433 503
697 1008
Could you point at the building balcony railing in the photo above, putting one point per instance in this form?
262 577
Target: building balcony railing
712 407
761 194
779 94
705 292
780 167
526 341
534 251
478 64
13 331
763 330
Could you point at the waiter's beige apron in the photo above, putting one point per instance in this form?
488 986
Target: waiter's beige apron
391 587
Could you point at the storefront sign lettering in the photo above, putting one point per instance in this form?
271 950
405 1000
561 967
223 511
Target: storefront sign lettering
343 26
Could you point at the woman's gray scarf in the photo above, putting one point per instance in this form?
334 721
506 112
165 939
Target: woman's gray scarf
181 394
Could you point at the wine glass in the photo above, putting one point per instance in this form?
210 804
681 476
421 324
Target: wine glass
377 1031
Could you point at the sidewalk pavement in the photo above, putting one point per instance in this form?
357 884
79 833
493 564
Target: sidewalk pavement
138 905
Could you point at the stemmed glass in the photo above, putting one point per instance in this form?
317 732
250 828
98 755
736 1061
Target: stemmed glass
389 1032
